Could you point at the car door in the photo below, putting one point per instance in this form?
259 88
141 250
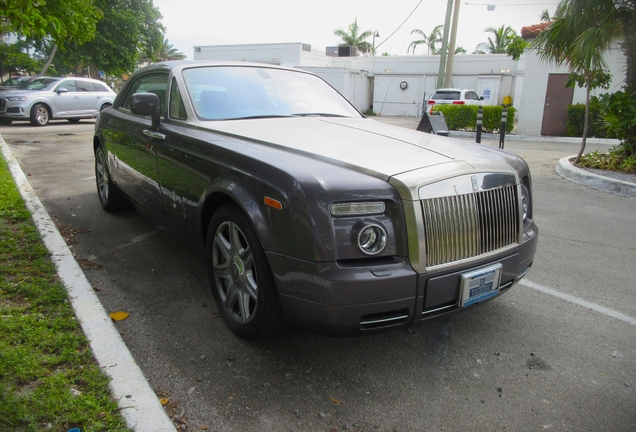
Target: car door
184 175
132 150
67 102
89 97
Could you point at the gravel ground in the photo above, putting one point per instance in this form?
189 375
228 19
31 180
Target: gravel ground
616 175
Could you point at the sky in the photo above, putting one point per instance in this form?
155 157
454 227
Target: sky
192 23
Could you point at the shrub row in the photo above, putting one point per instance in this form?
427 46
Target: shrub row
464 117
576 119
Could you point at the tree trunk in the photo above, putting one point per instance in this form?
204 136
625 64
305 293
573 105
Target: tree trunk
49 61
586 122
93 72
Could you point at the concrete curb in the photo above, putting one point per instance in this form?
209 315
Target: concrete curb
137 401
617 187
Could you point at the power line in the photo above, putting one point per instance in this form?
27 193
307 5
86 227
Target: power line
400 26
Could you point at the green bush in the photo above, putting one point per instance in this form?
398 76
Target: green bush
464 117
576 119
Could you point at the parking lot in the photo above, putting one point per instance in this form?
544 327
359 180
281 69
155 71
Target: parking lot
558 352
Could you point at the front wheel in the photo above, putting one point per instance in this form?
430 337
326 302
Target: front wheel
241 281
109 195
40 115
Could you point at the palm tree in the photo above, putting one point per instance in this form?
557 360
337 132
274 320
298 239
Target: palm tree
579 34
498 43
166 51
354 38
545 16
429 41
460 50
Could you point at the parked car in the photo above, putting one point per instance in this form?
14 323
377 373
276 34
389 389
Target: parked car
307 212
16 82
454 96
47 98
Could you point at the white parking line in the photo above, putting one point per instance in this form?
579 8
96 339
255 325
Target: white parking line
579 301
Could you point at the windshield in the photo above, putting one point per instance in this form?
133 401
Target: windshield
39 84
446 95
219 93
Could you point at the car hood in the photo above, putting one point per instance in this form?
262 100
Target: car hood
365 145
18 92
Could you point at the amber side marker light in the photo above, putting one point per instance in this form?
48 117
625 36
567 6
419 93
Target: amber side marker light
271 202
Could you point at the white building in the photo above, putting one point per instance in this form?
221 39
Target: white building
401 85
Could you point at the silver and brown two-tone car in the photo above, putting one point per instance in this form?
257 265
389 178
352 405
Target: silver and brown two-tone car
309 213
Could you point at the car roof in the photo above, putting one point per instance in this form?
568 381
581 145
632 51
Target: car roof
182 64
454 89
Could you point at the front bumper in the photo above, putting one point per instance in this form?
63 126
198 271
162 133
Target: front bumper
339 301
15 112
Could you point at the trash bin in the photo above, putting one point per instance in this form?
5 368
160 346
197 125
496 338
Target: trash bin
433 123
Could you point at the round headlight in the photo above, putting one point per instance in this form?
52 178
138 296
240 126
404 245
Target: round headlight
525 202
372 239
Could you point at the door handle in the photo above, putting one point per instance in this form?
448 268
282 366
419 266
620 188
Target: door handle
153 134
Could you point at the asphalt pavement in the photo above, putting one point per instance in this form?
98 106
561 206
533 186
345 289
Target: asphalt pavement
556 353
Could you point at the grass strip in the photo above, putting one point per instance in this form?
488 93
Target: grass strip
49 379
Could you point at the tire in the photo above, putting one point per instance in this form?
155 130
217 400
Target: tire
109 195
103 107
73 120
40 115
240 278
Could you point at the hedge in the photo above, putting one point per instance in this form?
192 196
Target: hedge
576 118
464 117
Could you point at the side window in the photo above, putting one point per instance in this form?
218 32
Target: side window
102 88
68 85
85 86
177 109
152 83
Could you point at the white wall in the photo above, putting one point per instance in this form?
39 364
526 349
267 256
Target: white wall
534 85
420 73
284 54
355 85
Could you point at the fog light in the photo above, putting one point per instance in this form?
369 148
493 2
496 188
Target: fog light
372 239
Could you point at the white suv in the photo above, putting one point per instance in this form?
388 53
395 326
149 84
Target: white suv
455 96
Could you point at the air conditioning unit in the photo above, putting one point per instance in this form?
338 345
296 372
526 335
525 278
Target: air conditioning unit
342 51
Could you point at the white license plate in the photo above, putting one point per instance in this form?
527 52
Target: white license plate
479 285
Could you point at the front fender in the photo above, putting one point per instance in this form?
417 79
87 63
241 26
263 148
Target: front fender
286 231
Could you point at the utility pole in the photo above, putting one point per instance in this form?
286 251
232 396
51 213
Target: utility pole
451 47
442 58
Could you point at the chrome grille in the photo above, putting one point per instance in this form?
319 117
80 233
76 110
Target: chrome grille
465 226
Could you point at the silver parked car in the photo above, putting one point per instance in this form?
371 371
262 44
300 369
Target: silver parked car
46 98
307 212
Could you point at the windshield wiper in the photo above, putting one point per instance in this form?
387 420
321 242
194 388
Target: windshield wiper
317 114
259 117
